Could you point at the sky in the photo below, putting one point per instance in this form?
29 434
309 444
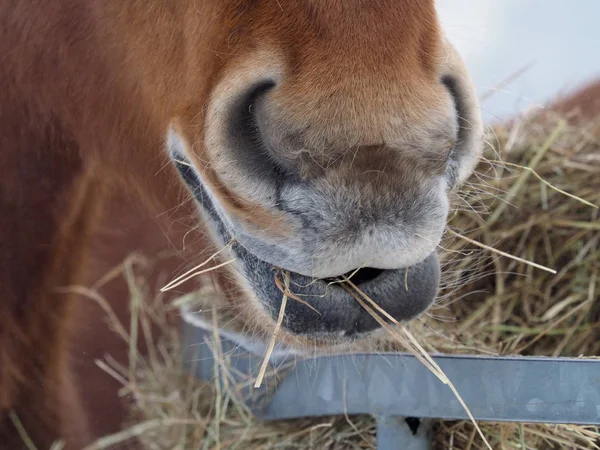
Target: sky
556 42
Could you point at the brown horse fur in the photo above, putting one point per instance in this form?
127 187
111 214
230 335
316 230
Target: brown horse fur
87 93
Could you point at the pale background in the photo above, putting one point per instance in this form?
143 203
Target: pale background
558 39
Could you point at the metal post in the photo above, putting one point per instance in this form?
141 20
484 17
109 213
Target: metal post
394 433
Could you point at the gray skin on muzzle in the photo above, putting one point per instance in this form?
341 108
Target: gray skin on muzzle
403 296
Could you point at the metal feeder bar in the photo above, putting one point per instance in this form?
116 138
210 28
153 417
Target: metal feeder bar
396 386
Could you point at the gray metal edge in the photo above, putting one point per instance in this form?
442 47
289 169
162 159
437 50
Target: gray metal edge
514 389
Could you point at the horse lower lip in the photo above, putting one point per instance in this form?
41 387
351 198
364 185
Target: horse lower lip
339 312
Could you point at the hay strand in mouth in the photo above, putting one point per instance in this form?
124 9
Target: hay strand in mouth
265 363
193 272
417 350
286 291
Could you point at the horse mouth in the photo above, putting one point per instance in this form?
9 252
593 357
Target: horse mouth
358 276
323 308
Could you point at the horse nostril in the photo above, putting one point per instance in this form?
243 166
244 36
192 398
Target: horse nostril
245 137
361 275
451 84
469 140
245 117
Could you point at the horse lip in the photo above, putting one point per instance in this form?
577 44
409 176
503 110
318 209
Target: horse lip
333 311
402 293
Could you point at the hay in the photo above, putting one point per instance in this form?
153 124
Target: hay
273 341
489 304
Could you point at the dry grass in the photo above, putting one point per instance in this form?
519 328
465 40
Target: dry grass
519 202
